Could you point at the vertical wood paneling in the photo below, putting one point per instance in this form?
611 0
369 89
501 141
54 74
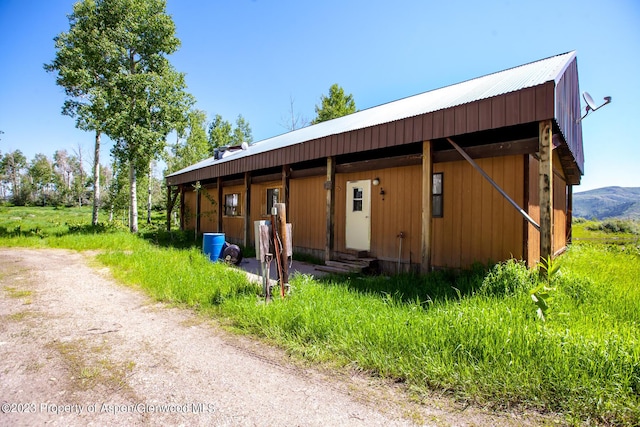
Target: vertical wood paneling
397 212
438 124
232 226
559 213
484 114
466 256
472 117
399 137
360 140
512 107
534 211
379 133
545 107
528 105
307 212
460 113
408 131
427 127
498 112
209 210
449 122
189 208
477 224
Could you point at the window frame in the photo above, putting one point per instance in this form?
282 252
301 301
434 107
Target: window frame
437 196
238 207
269 205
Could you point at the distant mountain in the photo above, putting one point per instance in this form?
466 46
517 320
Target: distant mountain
608 202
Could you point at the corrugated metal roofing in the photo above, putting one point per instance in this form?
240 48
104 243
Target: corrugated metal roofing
513 79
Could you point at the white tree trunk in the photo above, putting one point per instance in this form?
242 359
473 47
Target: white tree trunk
149 197
133 198
96 180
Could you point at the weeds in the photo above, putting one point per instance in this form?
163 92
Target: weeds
474 335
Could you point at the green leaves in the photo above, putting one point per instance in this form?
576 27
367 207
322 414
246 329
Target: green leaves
542 294
337 104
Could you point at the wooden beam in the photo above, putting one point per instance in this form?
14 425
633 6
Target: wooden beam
508 148
259 179
493 183
308 172
387 162
330 186
545 180
286 173
427 209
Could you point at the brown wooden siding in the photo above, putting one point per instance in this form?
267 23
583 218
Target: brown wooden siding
189 209
533 210
307 212
568 112
233 226
559 209
259 199
209 206
400 211
478 225
533 104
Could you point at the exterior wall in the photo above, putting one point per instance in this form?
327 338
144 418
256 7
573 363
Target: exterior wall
398 211
478 224
189 220
308 216
533 235
259 201
233 226
209 206
560 213
559 208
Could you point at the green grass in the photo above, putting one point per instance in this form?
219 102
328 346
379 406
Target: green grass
473 335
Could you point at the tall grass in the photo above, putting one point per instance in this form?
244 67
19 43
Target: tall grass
473 335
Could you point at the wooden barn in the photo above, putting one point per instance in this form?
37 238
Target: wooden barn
480 171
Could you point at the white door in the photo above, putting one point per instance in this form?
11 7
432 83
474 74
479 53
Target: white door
358 233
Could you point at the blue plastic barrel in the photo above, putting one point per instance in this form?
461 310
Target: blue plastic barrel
212 244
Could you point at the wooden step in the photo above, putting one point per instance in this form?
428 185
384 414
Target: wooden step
346 266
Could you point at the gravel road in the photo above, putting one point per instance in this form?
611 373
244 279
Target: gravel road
77 348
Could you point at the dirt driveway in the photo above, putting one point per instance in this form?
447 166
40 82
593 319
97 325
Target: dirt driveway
76 348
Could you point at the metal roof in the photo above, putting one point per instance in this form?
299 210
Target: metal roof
491 85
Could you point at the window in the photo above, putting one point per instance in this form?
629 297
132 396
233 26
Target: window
232 204
436 200
357 199
273 197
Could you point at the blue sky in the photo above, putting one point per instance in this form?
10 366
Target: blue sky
251 57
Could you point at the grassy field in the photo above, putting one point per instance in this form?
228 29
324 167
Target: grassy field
476 336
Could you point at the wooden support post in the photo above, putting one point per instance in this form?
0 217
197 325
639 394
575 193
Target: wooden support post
198 203
569 214
545 179
286 173
220 203
427 211
330 186
182 222
169 208
246 204
171 203
284 253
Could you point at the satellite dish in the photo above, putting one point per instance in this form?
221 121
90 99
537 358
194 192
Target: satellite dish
591 104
